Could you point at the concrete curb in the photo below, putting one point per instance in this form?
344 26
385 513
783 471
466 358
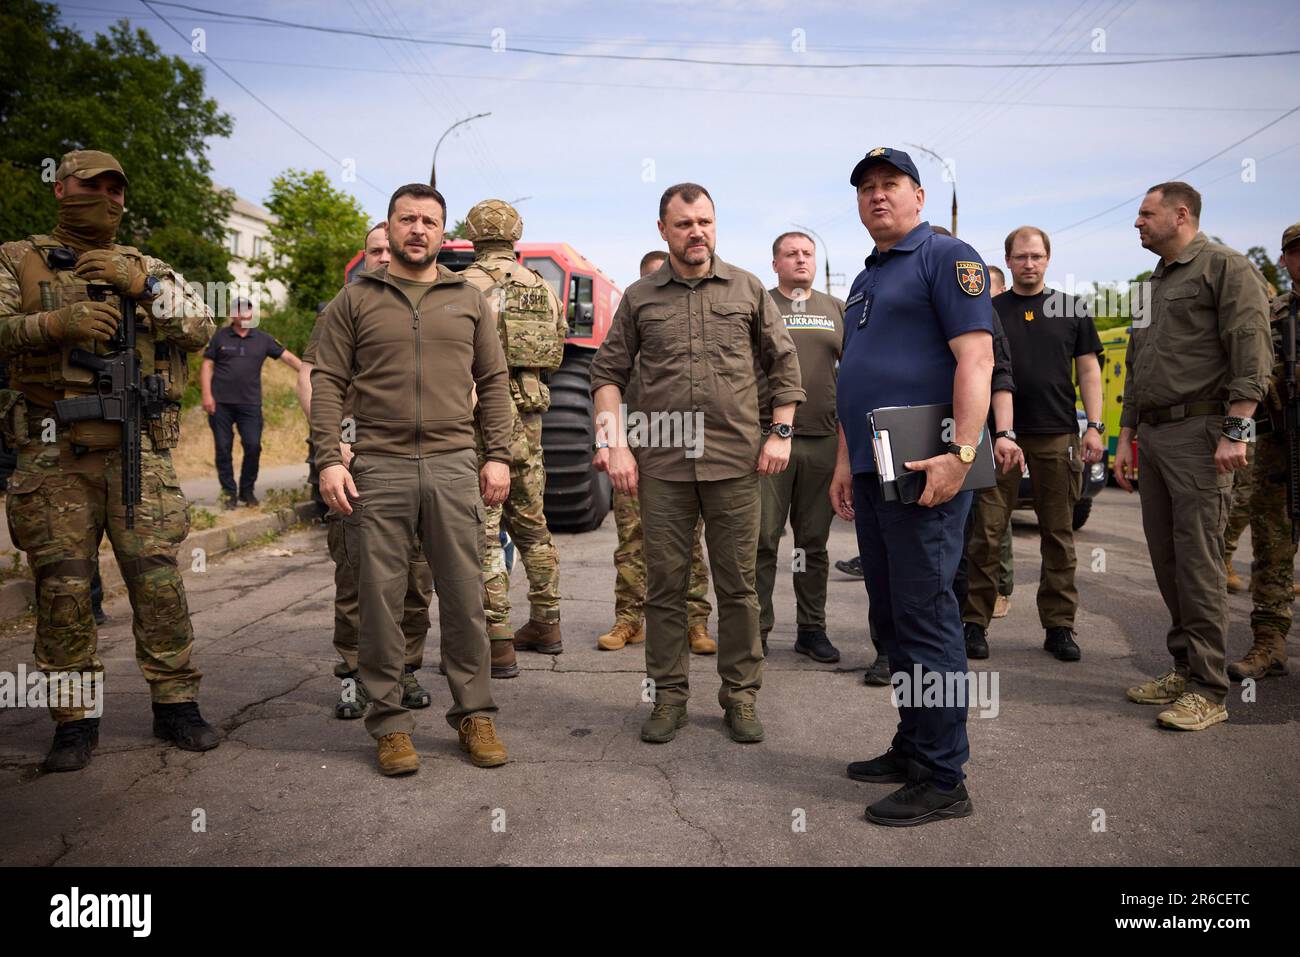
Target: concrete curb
17 597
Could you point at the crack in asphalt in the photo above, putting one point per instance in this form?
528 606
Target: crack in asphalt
234 722
673 798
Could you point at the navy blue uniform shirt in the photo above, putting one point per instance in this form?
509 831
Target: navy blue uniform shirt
237 364
902 310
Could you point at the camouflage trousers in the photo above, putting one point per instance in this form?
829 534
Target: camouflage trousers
1243 487
629 568
59 507
1272 570
525 520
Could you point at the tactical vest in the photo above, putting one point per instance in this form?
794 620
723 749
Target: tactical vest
527 326
44 377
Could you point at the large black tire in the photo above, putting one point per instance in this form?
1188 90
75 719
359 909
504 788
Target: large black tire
577 496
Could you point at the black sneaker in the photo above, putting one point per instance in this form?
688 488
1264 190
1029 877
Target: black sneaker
878 674
249 499
1060 642
73 742
413 695
977 645
228 501
919 802
888 768
814 643
852 567
182 725
97 610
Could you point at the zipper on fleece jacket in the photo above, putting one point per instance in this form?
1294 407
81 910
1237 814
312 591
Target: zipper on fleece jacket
419 420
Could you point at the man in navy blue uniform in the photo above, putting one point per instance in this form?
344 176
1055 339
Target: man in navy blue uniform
918 331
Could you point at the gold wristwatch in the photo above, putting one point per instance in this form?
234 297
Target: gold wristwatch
964 452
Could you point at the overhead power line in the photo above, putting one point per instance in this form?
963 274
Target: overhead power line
651 58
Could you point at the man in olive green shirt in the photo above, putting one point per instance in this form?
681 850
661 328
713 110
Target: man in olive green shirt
801 493
413 343
694 331
1200 348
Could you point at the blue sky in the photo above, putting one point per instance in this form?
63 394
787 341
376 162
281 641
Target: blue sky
593 142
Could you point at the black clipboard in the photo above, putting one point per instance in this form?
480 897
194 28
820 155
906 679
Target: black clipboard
910 433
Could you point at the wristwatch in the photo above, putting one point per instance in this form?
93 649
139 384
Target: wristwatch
964 452
1005 434
1239 428
597 446
151 288
781 430
1099 426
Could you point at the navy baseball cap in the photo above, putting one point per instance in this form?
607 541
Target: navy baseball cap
884 154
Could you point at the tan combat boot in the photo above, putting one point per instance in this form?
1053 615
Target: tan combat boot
504 662
1267 656
1192 712
540 636
621 634
701 643
397 754
478 738
1162 690
1235 585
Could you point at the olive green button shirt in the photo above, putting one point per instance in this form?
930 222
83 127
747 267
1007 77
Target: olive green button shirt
1208 335
693 346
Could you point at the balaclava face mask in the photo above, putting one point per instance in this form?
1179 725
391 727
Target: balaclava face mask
87 220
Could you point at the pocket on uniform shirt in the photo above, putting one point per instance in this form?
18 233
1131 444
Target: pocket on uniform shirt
729 325
661 334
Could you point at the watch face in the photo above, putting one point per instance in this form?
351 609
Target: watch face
968 454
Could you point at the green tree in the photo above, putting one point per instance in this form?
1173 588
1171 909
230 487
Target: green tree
118 93
317 230
1276 277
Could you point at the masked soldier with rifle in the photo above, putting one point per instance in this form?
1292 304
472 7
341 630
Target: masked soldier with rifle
95 335
1275 504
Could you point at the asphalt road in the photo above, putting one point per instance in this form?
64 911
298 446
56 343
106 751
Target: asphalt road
1068 772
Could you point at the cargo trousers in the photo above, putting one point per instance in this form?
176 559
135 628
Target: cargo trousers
1056 476
415 606
435 499
669 513
802 494
1185 504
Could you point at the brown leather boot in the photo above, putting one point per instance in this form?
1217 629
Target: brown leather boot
397 754
504 664
539 636
621 634
1235 584
701 643
478 738
1267 656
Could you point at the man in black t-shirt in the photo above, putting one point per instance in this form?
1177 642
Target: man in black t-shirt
1051 336
231 383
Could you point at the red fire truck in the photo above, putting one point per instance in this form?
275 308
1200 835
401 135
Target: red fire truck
577 496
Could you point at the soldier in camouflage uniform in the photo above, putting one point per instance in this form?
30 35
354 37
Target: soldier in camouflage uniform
66 490
532 328
1272 570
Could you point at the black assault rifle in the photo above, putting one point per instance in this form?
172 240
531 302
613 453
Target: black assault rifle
1291 407
123 395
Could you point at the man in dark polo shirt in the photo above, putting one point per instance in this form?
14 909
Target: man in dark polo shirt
693 332
1051 335
231 382
801 493
919 332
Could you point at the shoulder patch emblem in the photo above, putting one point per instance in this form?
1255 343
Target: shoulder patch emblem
970 276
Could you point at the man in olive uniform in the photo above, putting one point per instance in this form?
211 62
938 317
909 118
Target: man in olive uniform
697 332
532 328
414 344
629 556
353 697
1272 572
66 491
1198 365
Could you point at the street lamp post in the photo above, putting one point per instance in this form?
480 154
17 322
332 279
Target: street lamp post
826 256
951 172
433 170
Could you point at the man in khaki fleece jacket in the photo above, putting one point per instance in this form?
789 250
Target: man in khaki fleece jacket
414 341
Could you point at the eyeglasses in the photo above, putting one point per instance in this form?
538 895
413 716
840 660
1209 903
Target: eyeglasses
1028 258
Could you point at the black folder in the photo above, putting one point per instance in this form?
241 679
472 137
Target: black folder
911 433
